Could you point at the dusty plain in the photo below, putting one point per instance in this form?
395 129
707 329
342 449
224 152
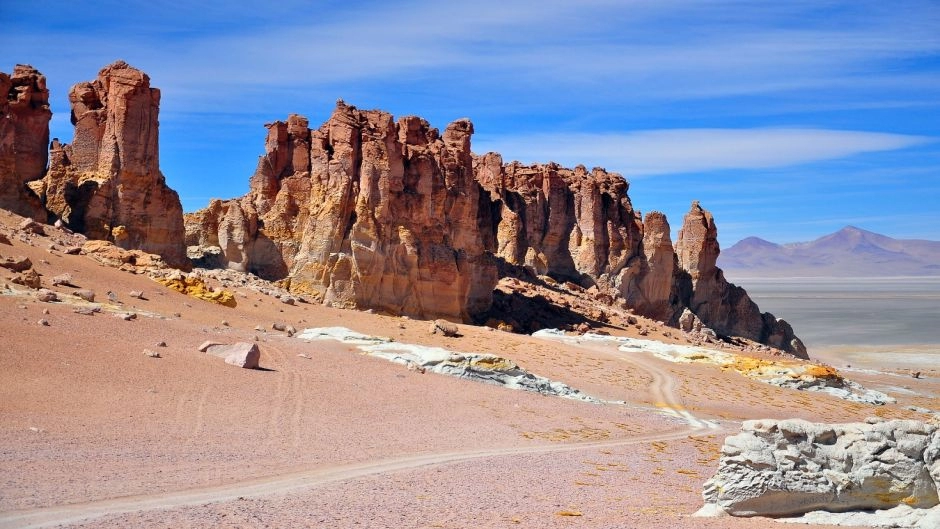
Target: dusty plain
94 433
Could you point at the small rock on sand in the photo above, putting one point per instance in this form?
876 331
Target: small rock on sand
87 295
151 354
241 354
63 279
443 327
46 296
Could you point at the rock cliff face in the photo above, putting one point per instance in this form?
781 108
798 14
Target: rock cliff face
722 306
362 211
365 211
24 139
107 183
370 212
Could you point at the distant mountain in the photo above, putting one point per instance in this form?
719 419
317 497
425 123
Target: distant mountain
850 252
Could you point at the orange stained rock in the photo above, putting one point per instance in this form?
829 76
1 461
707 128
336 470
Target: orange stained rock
197 288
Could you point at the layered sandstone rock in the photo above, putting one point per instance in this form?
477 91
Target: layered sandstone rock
107 183
580 225
24 139
368 212
791 467
569 223
363 212
720 305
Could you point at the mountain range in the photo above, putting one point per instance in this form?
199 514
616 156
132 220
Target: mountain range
850 252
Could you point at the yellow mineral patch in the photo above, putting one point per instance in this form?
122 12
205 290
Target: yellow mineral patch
197 288
119 233
822 372
569 513
493 363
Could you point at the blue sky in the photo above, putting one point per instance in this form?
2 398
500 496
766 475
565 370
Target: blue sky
788 120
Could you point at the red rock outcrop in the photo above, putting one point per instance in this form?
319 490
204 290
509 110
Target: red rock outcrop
570 223
24 139
363 212
368 212
107 183
650 282
721 305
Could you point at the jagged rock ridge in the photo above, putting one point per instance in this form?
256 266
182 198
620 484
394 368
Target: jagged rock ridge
368 212
363 211
107 183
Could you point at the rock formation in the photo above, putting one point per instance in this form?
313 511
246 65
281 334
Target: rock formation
368 212
107 183
24 139
720 305
791 467
363 211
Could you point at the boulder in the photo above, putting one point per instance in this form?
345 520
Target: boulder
85 294
27 278
63 280
19 263
31 226
46 296
443 327
239 354
689 322
790 467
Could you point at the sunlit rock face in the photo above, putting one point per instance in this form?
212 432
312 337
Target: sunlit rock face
364 211
107 183
24 139
791 467
368 211
721 305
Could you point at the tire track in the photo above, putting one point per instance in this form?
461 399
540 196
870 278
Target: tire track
74 513
662 388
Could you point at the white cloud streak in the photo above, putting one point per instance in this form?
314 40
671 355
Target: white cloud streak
658 152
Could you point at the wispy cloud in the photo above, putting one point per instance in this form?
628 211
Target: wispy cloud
657 152
603 50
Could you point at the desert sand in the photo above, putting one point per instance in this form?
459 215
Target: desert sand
94 433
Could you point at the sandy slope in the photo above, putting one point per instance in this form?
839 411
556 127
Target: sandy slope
93 430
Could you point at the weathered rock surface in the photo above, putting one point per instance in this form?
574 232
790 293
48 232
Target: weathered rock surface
372 213
196 287
480 367
791 467
241 354
24 139
443 327
107 183
362 212
720 305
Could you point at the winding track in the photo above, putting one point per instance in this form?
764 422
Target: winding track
663 389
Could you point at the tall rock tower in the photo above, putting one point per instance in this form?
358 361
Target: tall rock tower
107 183
24 139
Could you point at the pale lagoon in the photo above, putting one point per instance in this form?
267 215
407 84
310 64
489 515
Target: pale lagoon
892 321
